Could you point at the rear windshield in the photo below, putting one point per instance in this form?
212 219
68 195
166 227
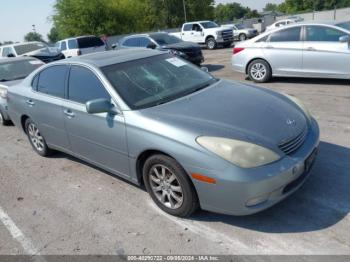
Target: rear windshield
90 41
26 48
14 70
165 39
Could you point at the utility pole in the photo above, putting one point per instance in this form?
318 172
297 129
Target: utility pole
184 4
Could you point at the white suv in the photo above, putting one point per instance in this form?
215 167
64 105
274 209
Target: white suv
81 45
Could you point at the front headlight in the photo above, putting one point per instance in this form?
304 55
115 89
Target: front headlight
176 52
218 33
300 105
240 153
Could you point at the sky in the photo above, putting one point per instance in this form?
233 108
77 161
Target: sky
18 16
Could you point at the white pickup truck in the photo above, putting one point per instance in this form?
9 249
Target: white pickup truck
206 32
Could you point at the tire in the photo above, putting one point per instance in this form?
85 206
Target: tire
3 122
211 43
36 139
259 71
175 183
242 37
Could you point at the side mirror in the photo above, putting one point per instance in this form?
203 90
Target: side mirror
10 55
114 46
152 45
344 39
100 106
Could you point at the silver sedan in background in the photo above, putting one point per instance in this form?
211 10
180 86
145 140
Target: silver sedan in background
155 119
315 50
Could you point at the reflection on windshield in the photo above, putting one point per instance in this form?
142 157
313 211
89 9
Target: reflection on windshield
345 25
165 39
209 25
18 69
155 80
239 26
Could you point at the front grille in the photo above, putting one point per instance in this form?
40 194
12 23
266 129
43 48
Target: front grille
291 145
227 34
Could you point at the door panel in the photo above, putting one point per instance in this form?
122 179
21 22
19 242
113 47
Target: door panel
99 138
323 54
283 50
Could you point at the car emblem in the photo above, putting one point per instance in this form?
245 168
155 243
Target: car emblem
290 122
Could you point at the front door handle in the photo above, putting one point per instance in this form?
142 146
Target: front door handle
69 113
30 102
310 49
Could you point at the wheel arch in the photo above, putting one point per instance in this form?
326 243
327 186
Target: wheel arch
209 36
254 59
23 122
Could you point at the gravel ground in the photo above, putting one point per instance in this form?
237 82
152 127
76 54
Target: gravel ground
60 205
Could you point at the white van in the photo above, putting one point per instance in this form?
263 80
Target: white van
81 45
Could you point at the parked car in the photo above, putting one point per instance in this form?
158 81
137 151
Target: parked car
158 120
81 45
12 72
163 41
206 32
316 50
281 23
38 50
241 32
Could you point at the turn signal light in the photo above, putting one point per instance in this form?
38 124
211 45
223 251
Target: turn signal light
236 50
204 179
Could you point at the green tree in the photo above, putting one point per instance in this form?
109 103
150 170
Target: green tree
53 35
33 36
270 7
230 12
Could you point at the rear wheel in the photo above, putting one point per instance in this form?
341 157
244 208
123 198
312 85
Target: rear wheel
36 139
211 43
259 71
169 186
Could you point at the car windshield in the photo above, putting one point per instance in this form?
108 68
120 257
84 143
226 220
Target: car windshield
26 48
155 80
89 41
209 24
165 39
14 70
240 26
345 25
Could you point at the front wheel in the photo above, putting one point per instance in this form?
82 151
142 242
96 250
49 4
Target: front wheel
36 139
169 186
259 71
211 43
242 37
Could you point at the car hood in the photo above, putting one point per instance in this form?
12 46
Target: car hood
182 46
44 52
233 110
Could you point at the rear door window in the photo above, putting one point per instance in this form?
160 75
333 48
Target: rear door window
187 27
322 34
89 41
52 80
85 86
131 42
286 35
144 42
72 44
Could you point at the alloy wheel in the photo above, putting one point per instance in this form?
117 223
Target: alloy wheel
258 71
35 137
166 187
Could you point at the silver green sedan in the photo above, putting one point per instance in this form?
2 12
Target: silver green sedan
155 119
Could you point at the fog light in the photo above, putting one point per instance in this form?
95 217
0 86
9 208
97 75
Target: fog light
257 200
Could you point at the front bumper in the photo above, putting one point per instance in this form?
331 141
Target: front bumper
236 190
224 40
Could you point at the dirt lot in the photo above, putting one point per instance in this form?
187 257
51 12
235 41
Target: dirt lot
60 205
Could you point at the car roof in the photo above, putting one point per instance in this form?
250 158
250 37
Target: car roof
77 37
22 43
105 58
14 59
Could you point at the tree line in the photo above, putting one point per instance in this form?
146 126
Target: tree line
297 6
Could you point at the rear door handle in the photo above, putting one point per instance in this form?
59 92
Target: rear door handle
30 102
69 113
311 49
